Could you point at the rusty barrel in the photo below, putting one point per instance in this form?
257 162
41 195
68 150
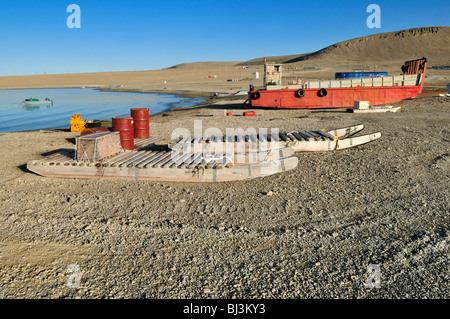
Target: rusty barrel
141 119
125 126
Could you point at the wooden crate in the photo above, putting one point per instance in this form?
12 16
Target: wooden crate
96 146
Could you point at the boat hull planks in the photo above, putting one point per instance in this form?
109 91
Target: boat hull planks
178 167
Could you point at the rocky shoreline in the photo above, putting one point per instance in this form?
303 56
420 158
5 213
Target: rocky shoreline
322 230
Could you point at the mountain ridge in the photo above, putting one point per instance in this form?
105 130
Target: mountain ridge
432 42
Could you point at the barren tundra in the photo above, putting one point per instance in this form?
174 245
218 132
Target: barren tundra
310 232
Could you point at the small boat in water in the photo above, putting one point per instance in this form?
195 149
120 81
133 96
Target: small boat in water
37 102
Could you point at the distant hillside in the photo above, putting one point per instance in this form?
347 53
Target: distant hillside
277 59
203 65
432 42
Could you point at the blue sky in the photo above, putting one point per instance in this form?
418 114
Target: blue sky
119 35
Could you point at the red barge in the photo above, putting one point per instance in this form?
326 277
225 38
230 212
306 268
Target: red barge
338 93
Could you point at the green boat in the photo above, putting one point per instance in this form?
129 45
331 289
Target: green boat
37 102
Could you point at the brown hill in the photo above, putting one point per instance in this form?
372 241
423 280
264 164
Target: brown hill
432 42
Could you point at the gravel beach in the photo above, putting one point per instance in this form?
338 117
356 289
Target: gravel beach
366 222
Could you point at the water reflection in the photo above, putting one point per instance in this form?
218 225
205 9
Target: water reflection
34 107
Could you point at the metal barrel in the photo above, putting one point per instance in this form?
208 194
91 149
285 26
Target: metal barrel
141 119
125 126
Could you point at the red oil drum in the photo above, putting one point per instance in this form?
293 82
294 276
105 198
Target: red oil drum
124 125
90 130
249 113
141 119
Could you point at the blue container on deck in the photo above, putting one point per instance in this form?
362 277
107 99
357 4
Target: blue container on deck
357 75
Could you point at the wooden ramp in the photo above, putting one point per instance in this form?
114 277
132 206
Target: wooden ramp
141 143
301 141
166 166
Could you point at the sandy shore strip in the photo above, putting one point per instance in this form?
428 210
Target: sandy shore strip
318 231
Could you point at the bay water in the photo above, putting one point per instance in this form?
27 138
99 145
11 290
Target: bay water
89 103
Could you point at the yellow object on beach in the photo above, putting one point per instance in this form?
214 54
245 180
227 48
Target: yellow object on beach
76 123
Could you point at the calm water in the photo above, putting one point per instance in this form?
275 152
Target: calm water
89 103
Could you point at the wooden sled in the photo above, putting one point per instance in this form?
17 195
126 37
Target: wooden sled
302 141
166 166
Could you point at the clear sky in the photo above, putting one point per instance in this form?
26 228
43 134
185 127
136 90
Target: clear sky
117 35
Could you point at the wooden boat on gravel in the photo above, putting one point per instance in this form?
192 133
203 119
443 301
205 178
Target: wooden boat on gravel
98 156
301 141
164 166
